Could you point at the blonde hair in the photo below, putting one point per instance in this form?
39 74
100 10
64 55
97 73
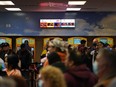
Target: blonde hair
54 76
59 43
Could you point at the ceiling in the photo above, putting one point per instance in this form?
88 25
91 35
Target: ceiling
61 5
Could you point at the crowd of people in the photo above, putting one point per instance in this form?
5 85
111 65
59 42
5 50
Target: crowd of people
63 65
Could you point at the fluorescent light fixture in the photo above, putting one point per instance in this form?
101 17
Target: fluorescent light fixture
73 9
76 2
6 3
13 9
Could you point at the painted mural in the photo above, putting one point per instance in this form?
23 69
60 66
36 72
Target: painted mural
87 24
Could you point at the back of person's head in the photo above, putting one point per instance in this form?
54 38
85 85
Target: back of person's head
52 77
12 61
7 82
75 56
58 44
26 42
22 46
20 81
53 58
108 57
83 41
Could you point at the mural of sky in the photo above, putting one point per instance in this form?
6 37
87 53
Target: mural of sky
87 24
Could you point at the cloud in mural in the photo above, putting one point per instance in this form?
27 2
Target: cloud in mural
1 33
103 32
107 27
109 21
82 24
30 31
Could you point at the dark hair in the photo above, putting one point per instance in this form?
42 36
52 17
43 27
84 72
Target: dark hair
22 46
76 57
13 60
5 44
53 58
83 41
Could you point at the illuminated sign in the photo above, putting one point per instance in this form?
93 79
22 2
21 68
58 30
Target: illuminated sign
57 23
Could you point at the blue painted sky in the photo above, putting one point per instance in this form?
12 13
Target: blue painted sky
87 23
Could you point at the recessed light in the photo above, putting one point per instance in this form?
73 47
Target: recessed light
73 9
6 3
76 2
13 9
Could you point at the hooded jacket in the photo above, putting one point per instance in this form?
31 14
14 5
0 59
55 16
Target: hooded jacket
80 76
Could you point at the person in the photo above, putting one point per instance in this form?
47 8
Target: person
51 77
7 82
55 60
78 74
25 57
6 50
105 67
57 45
12 65
82 47
26 42
94 53
20 81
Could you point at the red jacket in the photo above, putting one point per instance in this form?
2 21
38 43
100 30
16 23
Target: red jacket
80 76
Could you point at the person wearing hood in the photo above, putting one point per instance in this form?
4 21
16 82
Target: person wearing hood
78 74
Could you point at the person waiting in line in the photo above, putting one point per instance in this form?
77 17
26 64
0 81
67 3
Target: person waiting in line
26 42
55 60
105 67
57 45
6 50
78 74
7 82
20 81
12 65
25 57
82 47
94 53
51 77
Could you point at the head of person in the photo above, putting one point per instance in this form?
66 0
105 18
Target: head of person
53 58
74 58
26 42
51 77
20 81
23 47
5 46
12 61
7 82
83 42
100 45
56 45
106 62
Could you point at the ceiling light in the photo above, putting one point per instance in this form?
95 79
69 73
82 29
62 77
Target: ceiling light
13 9
73 9
76 2
6 3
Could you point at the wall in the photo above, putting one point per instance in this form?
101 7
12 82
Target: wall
87 24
